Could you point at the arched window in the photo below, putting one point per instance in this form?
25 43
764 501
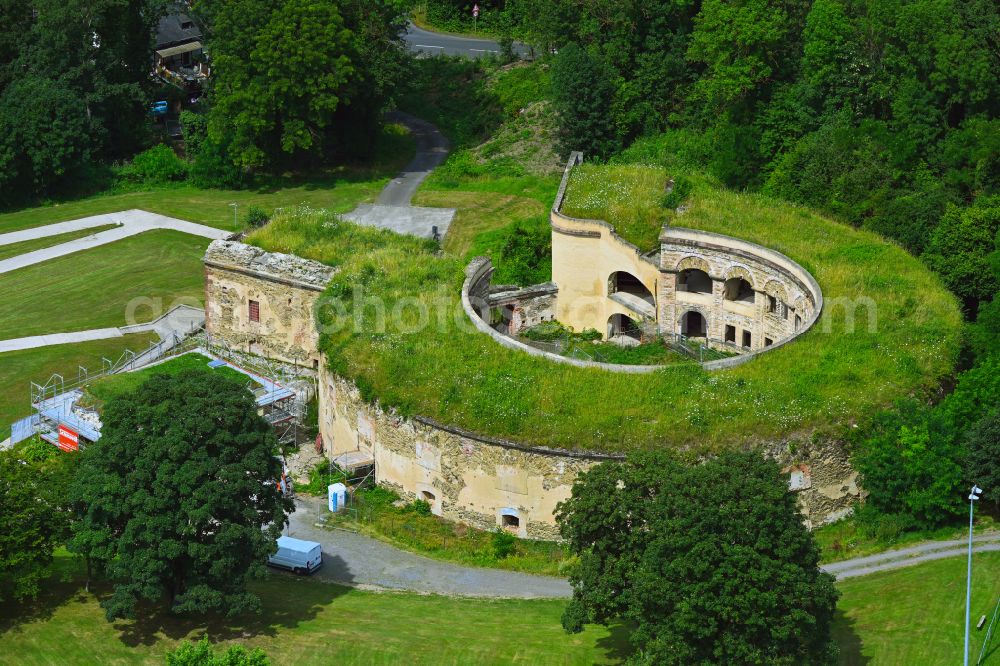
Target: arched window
694 280
738 289
693 325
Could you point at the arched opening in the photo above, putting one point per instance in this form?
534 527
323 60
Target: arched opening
626 283
624 330
694 280
693 325
738 289
427 496
510 523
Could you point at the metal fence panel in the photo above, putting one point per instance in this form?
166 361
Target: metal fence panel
23 429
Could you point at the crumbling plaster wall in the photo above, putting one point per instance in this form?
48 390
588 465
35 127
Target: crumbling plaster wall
285 288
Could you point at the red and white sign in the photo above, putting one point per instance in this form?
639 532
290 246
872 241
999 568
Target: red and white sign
69 439
475 11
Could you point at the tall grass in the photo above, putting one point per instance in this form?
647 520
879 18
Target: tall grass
629 197
822 380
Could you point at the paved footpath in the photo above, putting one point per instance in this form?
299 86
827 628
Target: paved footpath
360 561
906 557
131 222
392 210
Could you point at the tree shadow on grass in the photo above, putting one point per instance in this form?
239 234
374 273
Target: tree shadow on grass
286 601
848 641
65 585
617 645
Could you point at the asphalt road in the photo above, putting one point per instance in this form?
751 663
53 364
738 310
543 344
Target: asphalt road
356 560
436 43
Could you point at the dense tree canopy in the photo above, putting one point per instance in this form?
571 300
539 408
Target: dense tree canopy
178 498
711 562
34 514
295 79
74 83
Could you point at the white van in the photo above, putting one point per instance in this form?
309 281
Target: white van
302 557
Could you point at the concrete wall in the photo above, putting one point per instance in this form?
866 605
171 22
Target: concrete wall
285 288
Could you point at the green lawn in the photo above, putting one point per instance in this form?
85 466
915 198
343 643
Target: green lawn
19 368
339 189
14 249
113 386
306 621
915 615
93 288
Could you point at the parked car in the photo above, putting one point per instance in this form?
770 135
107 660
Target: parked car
301 557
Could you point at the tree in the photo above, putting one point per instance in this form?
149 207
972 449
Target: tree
711 562
33 516
201 654
983 462
178 498
582 95
960 250
910 462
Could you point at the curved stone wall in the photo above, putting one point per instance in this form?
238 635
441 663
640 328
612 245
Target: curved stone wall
680 289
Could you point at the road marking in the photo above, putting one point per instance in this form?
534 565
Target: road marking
484 50
427 46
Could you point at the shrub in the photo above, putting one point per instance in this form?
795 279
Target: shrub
419 507
158 164
377 496
676 196
503 544
202 654
256 217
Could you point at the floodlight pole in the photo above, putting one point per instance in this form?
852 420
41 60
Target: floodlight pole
973 496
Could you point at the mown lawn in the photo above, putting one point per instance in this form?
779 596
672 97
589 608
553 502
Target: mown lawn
339 189
23 247
110 387
19 368
915 615
94 288
306 621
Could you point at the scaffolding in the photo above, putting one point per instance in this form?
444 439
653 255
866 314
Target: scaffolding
58 408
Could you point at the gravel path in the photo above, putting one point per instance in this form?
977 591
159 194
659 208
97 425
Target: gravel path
360 561
131 222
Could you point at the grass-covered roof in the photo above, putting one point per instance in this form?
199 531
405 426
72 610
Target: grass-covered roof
444 369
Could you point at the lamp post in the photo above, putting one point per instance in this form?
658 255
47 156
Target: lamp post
235 221
973 496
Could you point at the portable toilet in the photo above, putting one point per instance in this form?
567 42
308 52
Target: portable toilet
337 496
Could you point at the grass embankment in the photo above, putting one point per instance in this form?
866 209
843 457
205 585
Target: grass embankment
19 368
338 189
93 288
23 247
307 621
847 538
412 527
110 387
628 197
915 615
829 377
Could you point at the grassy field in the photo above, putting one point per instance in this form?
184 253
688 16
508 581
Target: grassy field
113 386
339 189
829 377
14 249
92 288
915 615
305 621
19 368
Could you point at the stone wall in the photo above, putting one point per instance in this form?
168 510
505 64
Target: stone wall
464 476
475 480
284 288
